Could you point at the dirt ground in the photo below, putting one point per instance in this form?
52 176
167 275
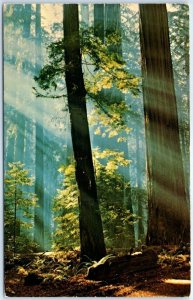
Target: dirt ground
61 274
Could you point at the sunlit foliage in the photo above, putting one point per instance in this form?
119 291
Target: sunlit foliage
18 208
109 71
114 210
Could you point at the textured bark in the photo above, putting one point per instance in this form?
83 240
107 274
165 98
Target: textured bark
168 212
39 223
91 231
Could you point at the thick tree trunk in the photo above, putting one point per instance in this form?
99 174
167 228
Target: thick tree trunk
91 231
168 213
116 266
39 224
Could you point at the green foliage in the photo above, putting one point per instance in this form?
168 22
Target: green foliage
111 125
103 70
109 66
113 194
18 207
66 211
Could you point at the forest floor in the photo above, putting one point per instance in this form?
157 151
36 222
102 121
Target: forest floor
61 274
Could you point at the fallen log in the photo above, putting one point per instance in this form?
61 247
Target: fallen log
114 266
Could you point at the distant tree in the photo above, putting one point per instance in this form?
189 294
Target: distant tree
107 27
178 20
99 21
16 177
9 134
168 219
39 217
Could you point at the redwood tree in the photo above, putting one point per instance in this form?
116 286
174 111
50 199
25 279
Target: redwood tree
91 231
39 222
168 210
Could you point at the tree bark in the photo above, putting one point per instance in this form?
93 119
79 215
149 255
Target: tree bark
128 264
91 231
168 212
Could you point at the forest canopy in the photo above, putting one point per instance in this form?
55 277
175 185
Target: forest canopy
96 126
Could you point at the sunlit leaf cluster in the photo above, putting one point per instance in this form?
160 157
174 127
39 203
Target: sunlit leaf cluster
110 185
110 69
111 124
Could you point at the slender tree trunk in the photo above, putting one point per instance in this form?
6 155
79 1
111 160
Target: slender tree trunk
15 220
140 199
168 214
39 156
131 230
91 231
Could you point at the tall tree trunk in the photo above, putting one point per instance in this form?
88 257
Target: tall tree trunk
168 213
20 139
91 231
20 142
99 29
85 14
27 21
15 218
39 155
113 25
